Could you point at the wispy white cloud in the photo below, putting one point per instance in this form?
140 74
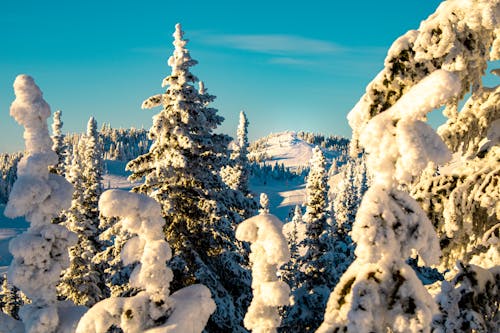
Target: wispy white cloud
290 61
274 44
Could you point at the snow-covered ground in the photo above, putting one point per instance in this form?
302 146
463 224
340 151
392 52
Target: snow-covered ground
116 176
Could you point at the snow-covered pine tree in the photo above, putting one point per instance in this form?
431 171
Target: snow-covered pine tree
10 299
41 252
240 155
182 172
116 275
8 173
313 283
82 282
346 200
264 204
291 270
58 146
237 173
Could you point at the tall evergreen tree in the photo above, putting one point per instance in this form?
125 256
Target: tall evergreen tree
241 154
346 201
82 282
236 174
59 146
312 283
182 172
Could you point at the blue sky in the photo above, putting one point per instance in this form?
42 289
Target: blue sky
290 65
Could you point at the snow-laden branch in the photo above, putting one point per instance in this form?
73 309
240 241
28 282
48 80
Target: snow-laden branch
379 290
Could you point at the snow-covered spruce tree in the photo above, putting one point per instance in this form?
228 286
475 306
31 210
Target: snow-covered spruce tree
313 283
237 173
264 204
379 291
182 172
8 174
10 300
461 36
346 201
58 146
82 282
152 309
41 252
236 176
115 274
241 154
289 271
269 251
462 198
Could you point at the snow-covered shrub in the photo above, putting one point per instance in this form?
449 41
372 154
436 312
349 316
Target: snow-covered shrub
269 250
152 309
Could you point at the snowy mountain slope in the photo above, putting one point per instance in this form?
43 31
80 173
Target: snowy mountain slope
292 152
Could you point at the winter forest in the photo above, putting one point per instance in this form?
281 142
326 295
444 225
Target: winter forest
178 228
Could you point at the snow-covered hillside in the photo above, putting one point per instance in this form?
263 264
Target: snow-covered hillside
288 149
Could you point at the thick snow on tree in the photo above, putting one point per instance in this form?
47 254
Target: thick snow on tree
42 251
264 204
316 194
10 300
380 291
152 309
291 269
269 250
312 282
237 175
182 172
8 174
470 301
59 145
462 198
461 36
82 282
344 202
